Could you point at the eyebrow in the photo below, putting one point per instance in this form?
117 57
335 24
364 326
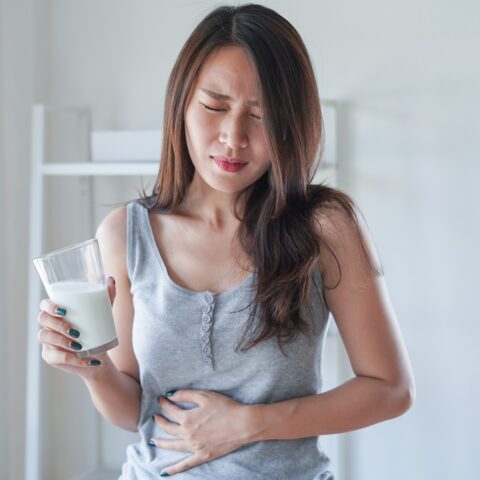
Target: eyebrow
221 96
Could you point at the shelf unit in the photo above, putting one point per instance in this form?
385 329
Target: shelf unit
40 169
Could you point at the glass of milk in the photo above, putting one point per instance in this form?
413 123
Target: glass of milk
73 278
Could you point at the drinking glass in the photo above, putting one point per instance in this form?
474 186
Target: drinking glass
73 278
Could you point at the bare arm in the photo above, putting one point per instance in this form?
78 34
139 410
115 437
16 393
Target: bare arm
114 386
383 387
115 395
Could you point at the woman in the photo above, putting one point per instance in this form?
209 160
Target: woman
226 273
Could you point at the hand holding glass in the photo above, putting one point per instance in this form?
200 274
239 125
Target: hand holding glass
73 277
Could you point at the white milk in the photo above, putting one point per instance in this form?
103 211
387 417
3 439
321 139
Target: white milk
89 311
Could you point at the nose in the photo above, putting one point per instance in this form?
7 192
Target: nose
234 132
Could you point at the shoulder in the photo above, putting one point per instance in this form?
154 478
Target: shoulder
112 236
346 243
335 222
114 223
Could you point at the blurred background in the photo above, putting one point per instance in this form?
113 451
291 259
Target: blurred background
404 82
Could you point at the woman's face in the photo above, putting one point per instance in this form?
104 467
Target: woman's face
223 118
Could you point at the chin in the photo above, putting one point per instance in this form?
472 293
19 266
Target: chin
231 185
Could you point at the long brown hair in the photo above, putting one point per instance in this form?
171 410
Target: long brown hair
278 230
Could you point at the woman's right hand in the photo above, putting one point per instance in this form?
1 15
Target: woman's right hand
58 339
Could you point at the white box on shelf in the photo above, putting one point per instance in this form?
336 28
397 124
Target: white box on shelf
126 146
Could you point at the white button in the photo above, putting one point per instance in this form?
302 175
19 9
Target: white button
209 297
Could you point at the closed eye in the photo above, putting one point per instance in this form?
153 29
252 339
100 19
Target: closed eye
223 110
213 109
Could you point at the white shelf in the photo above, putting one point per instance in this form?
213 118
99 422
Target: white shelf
94 169
125 168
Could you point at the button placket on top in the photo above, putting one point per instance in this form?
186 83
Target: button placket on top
206 330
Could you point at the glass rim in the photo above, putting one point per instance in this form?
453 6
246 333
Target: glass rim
66 249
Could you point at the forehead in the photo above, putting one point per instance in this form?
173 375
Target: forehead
229 70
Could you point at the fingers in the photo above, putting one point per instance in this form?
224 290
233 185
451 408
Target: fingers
57 323
171 409
175 445
46 305
187 463
200 397
50 337
168 427
52 317
112 291
59 339
59 358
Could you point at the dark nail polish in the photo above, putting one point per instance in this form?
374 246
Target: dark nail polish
76 345
151 443
95 362
170 393
60 311
73 333
164 474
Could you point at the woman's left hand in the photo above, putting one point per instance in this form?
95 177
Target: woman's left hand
219 425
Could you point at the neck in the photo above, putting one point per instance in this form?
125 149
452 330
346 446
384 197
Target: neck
212 207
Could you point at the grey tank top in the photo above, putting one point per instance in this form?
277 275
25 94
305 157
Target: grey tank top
186 339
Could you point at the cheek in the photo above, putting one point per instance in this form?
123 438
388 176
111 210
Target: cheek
192 132
201 130
261 145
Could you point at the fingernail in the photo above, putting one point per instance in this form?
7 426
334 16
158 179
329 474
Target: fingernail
164 474
75 345
170 393
151 442
60 311
94 362
73 333
113 280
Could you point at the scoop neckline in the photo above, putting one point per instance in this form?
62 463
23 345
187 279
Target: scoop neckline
158 255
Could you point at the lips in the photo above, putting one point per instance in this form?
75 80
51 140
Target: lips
229 167
236 161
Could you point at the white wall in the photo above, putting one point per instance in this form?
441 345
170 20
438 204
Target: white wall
4 403
22 81
407 76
